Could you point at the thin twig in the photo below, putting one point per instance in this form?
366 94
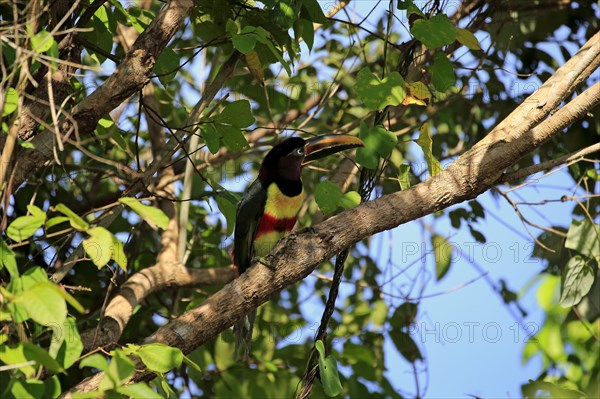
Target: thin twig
567 159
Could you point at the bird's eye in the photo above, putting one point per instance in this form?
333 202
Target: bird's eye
299 152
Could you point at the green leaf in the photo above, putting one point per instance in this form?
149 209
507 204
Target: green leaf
53 53
16 355
35 211
130 19
254 65
102 15
435 32
26 144
406 346
192 364
315 12
378 93
166 388
8 260
167 63
404 315
417 93
227 204
55 221
76 222
443 255
118 253
308 33
44 304
66 346
52 388
358 353
103 29
379 142
410 8
328 371
95 394
426 143
467 38
327 196
593 174
379 313
118 371
534 389
153 216
232 27
18 314
278 56
11 101
350 200
34 352
477 209
118 138
42 41
67 297
95 360
33 276
99 246
477 235
160 358
584 237
25 226
442 73
244 43
232 137
237 113
285 14
139 390
30 388
403 177
577 279
211 137
25 352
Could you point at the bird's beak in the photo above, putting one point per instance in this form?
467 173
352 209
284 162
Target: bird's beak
327 144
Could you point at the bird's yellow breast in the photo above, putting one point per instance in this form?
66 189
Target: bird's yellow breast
280 205
280 210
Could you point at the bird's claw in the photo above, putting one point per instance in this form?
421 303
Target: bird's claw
264 261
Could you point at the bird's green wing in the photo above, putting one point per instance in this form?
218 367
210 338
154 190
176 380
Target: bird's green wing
249 212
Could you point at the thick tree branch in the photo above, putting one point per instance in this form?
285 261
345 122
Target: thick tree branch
160 277
473 173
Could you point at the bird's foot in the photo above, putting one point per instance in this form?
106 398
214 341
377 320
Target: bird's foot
264 261
310 230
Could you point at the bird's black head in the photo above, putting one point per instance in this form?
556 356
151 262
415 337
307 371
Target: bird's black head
284 160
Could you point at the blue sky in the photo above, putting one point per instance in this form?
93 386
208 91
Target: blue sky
473 344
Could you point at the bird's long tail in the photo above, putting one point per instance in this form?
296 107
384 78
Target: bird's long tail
242 331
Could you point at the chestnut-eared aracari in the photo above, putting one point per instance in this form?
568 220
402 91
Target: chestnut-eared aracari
268 209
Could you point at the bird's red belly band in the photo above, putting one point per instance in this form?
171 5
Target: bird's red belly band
269 223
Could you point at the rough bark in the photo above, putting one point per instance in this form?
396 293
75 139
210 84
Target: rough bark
160 277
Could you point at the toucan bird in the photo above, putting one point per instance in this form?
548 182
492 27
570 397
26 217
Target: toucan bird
268 209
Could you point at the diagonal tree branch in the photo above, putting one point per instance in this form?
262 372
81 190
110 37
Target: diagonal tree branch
160 277
473 173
